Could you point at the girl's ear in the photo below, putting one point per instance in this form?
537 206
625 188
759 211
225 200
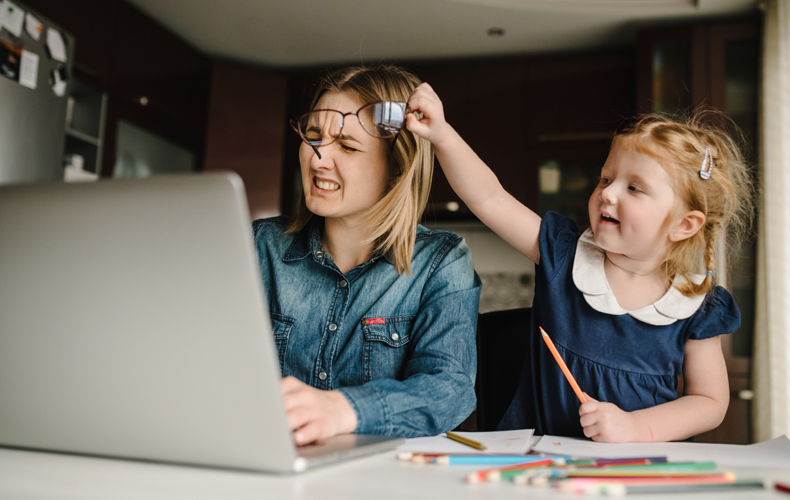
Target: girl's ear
687 226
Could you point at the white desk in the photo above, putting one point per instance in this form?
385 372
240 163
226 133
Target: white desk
42 476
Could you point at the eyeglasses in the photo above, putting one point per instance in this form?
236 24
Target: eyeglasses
382 120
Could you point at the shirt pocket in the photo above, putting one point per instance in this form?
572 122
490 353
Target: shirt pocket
281 330
385 349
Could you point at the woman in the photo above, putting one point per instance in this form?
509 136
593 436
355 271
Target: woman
374 316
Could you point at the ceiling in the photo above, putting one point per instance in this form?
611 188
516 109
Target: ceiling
293 33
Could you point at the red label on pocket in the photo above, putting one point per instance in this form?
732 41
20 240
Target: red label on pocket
373 321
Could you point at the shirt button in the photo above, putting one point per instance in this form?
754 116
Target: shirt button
332 328
343 284
394 336
322 375
319 255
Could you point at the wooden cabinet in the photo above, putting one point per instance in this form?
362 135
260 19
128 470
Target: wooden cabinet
517 115
486 103
714 66
574 107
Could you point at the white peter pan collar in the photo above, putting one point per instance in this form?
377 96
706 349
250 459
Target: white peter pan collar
590 278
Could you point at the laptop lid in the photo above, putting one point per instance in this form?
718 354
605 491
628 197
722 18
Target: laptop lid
133 324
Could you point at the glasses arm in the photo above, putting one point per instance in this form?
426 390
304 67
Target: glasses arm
394 140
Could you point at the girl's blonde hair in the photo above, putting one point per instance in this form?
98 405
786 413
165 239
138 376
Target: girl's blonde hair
393 219
726 198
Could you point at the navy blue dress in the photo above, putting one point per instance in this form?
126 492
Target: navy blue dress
614 358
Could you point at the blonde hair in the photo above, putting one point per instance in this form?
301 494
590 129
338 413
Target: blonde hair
393 219
726 198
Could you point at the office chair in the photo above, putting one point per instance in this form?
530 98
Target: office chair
502 346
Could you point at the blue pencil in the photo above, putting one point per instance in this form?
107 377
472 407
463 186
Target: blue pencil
486 459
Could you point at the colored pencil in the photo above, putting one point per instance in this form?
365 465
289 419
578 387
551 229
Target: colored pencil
468 442
622 490
485 459
782 487
579 485
563 366
668 466
635 472
495 474
619 471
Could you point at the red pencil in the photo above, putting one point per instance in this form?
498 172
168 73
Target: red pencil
563 366
782 487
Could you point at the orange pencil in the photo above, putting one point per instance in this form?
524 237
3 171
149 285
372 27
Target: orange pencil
563 366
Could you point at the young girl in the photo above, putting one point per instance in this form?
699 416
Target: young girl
630 303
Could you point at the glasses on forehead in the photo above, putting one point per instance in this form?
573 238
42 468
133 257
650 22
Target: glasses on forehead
383 120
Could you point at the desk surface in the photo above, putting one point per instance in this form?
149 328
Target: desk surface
42 476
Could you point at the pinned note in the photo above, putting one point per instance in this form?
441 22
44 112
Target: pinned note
28 70
33 27
12 17
56 45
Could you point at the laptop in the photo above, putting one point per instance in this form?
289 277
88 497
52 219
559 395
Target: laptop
133 325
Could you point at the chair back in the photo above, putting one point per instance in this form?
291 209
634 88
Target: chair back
502 345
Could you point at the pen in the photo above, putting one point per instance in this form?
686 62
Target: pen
563 366
468 442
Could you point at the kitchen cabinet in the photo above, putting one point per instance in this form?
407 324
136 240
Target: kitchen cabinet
518 115
715 66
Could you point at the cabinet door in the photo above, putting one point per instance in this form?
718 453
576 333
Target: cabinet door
485 102
714 66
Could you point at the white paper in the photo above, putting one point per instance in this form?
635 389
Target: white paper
56 45
28 70
33 26
58 84
769 454
499 442
12 17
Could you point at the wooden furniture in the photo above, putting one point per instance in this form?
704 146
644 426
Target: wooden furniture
717 66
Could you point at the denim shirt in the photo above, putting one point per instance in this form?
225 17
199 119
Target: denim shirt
401 349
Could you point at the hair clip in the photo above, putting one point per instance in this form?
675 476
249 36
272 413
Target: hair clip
707 161
709 273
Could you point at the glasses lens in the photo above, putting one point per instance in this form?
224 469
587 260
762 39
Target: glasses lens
383 119
320 127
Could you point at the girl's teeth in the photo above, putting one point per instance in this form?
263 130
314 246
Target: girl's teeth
328 186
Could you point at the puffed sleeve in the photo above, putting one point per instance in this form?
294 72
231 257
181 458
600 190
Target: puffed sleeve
437 390
717 315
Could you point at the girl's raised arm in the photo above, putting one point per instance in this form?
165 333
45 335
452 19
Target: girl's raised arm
471 179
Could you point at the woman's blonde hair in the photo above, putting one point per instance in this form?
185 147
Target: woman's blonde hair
726 198
393 219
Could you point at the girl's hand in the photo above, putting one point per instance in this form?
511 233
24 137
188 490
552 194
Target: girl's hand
314 414
607 423
432 125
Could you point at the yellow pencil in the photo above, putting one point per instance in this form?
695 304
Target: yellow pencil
468 442
563 366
